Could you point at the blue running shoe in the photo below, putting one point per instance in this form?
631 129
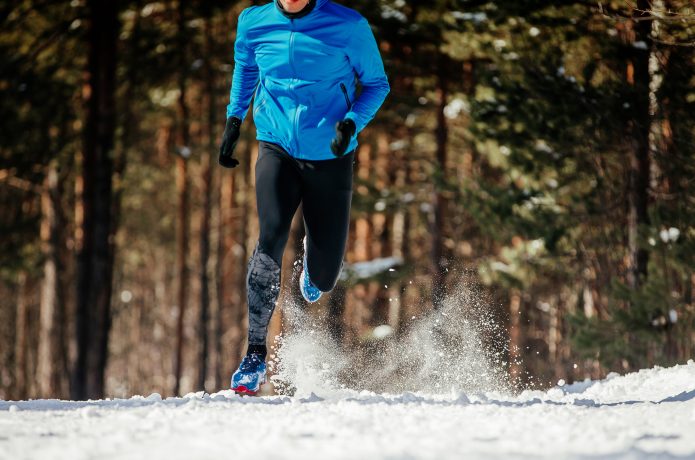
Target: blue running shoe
310 292
247 380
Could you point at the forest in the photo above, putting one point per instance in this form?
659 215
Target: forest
533 168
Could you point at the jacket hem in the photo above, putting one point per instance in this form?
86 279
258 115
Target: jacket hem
327 156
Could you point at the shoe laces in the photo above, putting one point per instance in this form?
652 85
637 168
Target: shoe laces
250 362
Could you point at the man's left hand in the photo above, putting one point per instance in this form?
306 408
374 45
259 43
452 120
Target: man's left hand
344 130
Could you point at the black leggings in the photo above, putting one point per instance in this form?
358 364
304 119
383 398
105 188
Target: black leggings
325 190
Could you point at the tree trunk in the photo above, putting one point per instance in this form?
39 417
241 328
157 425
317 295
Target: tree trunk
383 223
96 249
336 310
203 337
439 205
240 311
182 230
639 126
182 236
129 129
21 373
363 224
225 272
294 253
515 338
660 139
52 352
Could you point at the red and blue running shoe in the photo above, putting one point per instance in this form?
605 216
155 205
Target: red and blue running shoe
247 380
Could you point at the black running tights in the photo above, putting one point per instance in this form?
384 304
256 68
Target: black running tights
325 190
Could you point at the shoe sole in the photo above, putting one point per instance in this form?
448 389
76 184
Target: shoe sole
243 390
301 283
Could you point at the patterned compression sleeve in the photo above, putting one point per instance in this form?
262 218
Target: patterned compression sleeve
263 288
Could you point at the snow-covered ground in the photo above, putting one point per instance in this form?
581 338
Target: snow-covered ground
648 414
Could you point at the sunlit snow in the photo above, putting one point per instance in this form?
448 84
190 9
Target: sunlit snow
650 414
433 393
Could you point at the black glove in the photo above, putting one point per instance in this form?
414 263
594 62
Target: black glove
344 130
229 140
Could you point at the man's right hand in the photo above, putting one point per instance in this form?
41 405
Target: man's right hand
229 141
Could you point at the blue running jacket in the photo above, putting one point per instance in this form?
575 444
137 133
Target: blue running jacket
303 75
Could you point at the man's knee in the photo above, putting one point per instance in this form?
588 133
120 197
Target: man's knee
324 285
272 240
326 280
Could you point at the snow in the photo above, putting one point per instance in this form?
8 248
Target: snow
648 414
669 235
369 269
499 44
454 108
434 393
476 17
388 12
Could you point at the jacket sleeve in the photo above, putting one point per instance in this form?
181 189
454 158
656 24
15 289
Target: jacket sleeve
245 76
364 56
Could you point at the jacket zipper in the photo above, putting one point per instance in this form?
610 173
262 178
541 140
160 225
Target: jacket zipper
294 78
294 72
347 98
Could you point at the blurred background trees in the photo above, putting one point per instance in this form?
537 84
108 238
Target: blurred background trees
545 150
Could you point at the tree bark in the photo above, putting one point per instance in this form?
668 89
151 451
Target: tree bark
439 205
21 373
336 311
402 224
203 337
225 271
95 254
240 308
52 353
363 225
182 230
639 162
295 254
515 337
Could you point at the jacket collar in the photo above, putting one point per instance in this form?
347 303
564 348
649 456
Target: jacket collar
313 4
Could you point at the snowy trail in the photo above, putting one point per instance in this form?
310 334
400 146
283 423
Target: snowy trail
649 414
